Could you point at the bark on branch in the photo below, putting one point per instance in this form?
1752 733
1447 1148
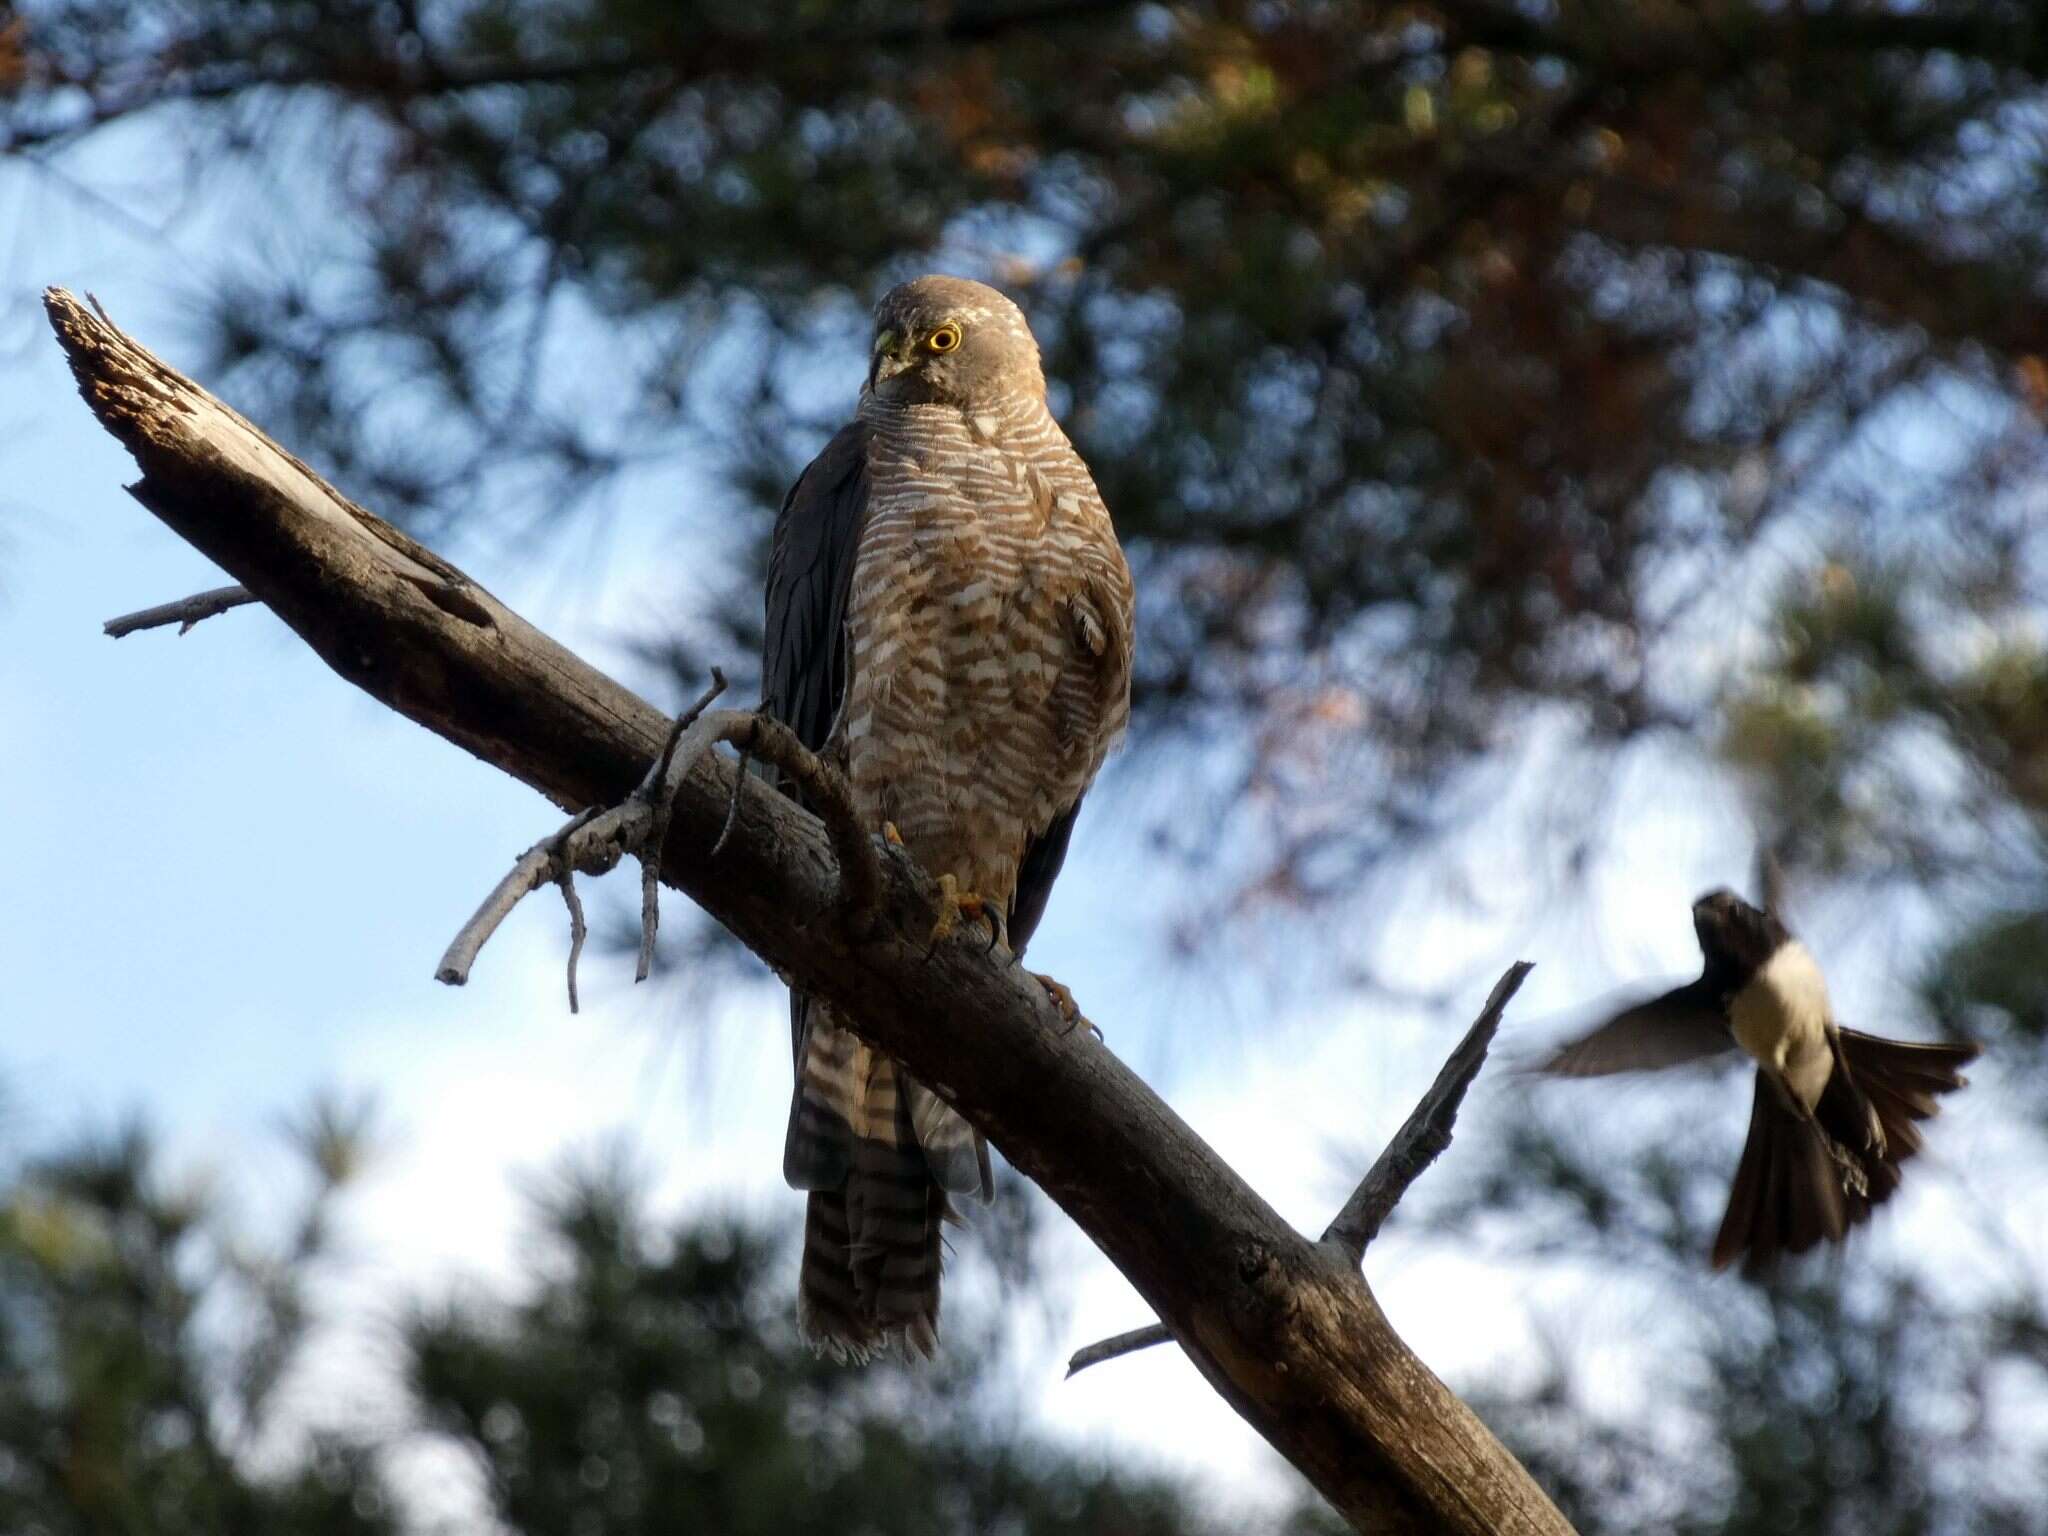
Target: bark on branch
1424 1137
1286 1332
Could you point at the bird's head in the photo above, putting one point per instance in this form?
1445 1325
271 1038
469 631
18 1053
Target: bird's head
1731 930
1716 906
946 340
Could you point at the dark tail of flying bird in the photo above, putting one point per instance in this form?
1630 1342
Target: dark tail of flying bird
1806 1177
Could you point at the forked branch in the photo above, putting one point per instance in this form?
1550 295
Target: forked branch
594 841
1423 1138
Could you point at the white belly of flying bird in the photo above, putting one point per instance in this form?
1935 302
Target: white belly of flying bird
1781 1019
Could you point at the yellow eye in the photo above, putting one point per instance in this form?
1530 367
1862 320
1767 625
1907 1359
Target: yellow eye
944 339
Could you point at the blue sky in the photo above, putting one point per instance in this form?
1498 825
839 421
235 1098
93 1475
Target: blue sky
229 876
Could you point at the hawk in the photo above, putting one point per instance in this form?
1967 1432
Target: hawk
949 619
1835 1111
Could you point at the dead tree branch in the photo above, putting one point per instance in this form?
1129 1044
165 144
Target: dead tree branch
1425 1134
590 843
1290 1336
1118 1345
1423 1138
593 842
549 859
184 613
659 790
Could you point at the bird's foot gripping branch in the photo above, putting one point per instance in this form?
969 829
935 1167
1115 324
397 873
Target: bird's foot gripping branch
1283 1326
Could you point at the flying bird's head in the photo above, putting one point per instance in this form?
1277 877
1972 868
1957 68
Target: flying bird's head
1735 935
948 341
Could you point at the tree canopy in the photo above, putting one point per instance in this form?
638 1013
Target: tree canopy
1440 361
1462 374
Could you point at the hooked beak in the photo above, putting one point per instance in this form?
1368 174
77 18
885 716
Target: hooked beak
891 357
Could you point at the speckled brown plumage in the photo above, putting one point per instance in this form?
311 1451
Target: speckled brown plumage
950 616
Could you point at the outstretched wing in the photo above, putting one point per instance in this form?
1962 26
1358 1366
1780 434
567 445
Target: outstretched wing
1679 1026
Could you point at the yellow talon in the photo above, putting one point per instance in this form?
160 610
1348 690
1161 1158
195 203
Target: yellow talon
890 835
955 904
1063 999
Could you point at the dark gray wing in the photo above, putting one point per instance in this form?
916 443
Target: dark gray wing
810 576
1043 856
1682 1025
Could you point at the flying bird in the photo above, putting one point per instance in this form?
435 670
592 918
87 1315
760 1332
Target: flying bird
949 619
1835 1112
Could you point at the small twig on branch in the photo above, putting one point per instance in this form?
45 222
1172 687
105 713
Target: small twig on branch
1427 1132
533 869
184 613
660 793
595 841
578 929
1420 1141
732 804
1118 1344
592 843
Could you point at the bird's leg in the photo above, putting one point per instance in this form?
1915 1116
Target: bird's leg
955 904
1063 999
1848 1167
1873 1126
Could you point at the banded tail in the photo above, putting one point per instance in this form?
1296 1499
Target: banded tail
879 1153
1808 1177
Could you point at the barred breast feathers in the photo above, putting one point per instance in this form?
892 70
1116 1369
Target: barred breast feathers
995 517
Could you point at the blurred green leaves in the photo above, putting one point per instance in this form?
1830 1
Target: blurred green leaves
1888 740
643 1377
654 1375
143 1337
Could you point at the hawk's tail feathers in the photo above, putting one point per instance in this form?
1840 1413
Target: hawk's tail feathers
871 1260
857 1298
828 1312
837 1087
955 1151
817 1152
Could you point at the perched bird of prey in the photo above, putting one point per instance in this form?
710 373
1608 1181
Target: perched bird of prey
1835 1110
949 619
